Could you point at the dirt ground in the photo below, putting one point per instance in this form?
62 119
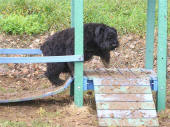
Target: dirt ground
17 80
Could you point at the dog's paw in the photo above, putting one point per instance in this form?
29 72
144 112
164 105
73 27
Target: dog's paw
58 82
106 65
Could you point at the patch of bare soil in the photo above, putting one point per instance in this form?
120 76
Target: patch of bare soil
20 80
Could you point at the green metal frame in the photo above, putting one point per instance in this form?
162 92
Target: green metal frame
162 54
162 47
77 23
150 34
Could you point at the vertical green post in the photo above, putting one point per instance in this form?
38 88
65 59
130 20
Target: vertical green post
78 66
72 25
162 54
150 34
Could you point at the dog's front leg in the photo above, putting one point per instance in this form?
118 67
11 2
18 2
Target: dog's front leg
105 57
71 69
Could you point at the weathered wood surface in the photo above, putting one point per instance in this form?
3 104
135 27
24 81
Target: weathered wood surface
125 105
117 73
122 81
126 114
124 98
128 122
122 89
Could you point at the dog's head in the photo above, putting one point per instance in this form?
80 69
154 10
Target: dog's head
106 37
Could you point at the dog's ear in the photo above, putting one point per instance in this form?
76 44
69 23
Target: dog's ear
99 30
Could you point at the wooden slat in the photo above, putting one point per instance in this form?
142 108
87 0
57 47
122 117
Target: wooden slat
45 59
128 122
117 73
124 82
115 76
122 89
126 114
131 74
125 105
123 97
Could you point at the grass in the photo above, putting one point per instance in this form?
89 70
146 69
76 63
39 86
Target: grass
2 89
44 119
38 16
33 16
12 124
118 13
35 123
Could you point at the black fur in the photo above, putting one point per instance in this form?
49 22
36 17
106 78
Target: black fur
99 40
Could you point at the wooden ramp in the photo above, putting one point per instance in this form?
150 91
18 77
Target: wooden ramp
124 97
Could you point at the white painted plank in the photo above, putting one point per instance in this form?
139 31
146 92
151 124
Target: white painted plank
128 122
123 82
123 89
125 105
123 97
126 114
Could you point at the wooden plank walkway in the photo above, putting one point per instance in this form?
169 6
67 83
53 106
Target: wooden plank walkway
124 98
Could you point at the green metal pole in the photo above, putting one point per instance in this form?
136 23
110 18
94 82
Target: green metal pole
72 25
150 34
162 54
78 76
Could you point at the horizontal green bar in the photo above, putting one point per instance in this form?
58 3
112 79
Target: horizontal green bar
45 59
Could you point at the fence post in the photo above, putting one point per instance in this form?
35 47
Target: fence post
150 34
78 76
162 54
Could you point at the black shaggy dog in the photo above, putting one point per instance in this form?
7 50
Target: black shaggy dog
99 40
